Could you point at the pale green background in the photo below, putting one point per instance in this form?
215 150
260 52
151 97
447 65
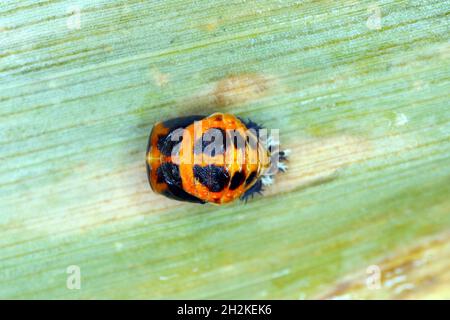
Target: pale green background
368 98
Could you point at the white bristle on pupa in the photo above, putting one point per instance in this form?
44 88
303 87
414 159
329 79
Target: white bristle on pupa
278 156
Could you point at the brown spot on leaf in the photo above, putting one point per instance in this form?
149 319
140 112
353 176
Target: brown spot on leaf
241 89
230 91
210 26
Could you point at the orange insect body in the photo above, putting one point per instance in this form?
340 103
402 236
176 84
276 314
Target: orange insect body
201 159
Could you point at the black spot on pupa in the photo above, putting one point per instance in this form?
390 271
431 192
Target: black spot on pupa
250 178
213 177
170 174
161 143
236 138
237 180
178 193
252 141
256 188
159 175
168 142
208 144
181 122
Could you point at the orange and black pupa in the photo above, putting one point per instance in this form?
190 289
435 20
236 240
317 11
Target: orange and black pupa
216 158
